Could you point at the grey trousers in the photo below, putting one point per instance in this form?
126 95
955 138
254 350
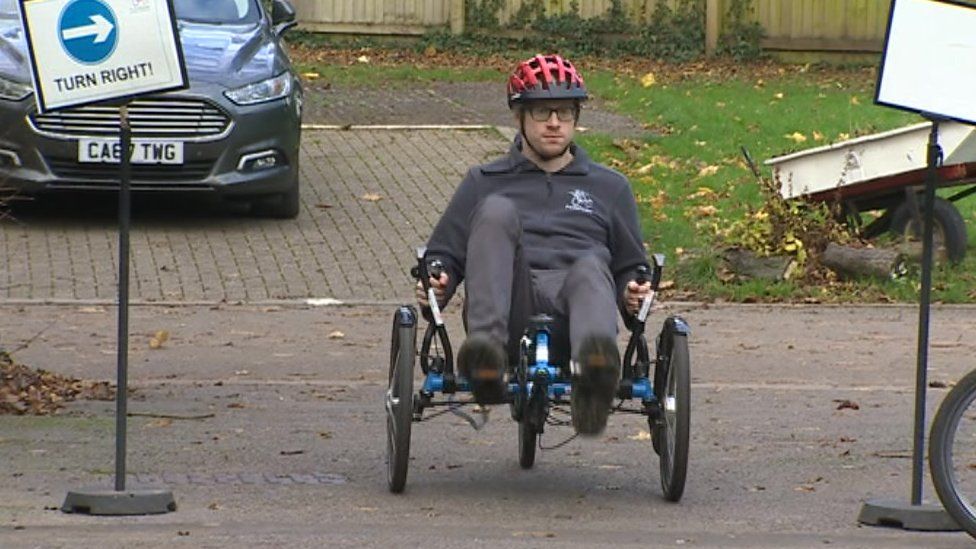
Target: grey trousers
503 292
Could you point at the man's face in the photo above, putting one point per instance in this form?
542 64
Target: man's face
550 125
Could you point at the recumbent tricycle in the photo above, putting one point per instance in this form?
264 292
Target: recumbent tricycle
658 388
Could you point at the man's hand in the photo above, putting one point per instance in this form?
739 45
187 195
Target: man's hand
440 287
634 294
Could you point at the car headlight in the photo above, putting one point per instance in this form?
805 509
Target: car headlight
12 90
259 92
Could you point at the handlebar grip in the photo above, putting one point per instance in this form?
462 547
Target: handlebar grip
642 272
436 269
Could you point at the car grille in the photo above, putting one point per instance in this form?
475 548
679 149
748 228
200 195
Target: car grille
157 176
161 118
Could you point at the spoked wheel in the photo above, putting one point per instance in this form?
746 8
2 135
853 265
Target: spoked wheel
952 453
399 398
673 429
528 437
523 413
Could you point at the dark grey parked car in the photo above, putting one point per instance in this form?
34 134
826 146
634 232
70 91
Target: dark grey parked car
235 132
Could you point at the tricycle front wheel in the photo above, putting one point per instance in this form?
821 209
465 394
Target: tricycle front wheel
671 435
399 398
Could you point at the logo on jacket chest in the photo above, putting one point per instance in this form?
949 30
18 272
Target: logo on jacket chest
580 201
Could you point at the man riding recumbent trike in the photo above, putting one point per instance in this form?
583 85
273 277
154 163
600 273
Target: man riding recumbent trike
549 247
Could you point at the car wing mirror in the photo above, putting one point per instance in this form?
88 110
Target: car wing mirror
283 16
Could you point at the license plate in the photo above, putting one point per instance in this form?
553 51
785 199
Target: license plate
144 151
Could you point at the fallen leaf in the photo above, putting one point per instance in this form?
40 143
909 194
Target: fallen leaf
371 197
778 95
844 404
704 192
641 435
648 80
310 75
291 452
161 422
214 506
817 136
323 206
362 59
855 100
706 211
706 171
336 335
797 137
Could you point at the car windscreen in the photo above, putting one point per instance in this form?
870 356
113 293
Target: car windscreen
234 12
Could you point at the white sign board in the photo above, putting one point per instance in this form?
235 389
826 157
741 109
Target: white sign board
929 63
86 51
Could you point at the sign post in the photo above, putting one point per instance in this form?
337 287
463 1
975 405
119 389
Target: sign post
94 51
927 55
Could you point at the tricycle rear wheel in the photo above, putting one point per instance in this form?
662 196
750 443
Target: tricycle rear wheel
527 443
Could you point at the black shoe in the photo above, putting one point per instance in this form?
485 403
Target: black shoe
481 361
594 384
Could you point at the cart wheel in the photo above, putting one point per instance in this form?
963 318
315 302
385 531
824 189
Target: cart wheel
952 445
673 429
528 437
399 398
950 229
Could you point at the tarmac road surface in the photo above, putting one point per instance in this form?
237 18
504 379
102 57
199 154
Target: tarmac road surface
268 426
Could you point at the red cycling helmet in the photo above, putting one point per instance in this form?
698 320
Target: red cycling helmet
545 77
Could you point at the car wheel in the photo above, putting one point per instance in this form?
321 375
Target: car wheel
280 206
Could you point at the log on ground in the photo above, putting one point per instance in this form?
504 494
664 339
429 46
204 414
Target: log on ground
851 262
746 264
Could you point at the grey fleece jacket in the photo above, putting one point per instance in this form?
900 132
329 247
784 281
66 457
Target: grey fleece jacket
585 207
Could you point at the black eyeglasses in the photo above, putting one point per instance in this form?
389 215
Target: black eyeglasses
540 113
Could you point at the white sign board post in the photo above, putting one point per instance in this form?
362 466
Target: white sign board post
929 66
91 51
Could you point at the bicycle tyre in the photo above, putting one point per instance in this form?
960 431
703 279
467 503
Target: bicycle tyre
527 443
673 433
399 399
942 440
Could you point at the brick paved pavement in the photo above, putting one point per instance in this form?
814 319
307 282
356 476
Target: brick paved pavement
369 197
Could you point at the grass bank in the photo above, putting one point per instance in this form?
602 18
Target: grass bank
688 171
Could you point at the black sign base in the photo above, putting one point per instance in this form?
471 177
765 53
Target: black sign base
898 514
133 501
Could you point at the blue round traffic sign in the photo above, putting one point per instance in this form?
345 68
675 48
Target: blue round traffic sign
88 31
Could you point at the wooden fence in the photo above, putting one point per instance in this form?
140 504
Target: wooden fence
797 25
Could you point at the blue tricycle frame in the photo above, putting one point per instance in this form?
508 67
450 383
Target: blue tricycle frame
657 387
